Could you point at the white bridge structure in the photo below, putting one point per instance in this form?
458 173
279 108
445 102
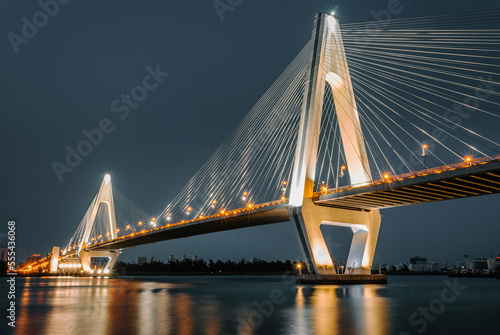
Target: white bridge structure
355 124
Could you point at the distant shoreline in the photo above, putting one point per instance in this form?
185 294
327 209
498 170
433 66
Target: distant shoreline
218 274
212 274
415 273
140 274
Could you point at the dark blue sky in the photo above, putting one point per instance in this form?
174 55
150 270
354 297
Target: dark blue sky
65 78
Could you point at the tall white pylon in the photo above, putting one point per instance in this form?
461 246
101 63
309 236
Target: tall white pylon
104 196
329 65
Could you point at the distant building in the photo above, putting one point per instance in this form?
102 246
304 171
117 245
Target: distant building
171 258
3 254
478 264
195 258
183 258
419 264
255 260
433 266
141 260
493 263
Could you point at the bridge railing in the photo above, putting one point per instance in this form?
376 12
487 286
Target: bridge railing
387 178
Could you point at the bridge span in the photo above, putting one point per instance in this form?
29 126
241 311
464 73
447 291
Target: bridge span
237 219
466 179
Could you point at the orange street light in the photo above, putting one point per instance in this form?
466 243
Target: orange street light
299 267
424 147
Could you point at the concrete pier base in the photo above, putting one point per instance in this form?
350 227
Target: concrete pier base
342 279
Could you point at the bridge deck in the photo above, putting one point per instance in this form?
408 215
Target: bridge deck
261 216
479 177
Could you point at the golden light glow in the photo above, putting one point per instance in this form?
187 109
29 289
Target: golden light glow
425 146
343 167
284 182
245 193
468 159
321 255
140 223
189 209
250 205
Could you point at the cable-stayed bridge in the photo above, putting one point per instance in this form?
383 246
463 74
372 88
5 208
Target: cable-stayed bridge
361 120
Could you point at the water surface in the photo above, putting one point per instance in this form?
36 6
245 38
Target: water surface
253 305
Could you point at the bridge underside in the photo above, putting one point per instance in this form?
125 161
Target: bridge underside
262 216
444 184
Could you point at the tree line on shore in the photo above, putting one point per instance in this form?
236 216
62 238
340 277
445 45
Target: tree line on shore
200 266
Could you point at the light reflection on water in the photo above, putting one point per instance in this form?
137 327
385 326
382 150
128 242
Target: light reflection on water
242 305
332 309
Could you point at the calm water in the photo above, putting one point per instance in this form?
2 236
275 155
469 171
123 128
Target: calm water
253 305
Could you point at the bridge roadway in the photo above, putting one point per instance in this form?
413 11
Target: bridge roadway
461 180
467 179
266 214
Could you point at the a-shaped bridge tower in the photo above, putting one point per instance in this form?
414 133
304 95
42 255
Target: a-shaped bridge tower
104 198
328 64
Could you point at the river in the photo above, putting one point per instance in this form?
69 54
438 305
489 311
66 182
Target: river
252 305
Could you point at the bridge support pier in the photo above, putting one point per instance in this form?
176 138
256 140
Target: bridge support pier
308 219
54 260
86 259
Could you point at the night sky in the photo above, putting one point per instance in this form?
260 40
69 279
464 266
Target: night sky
64 79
